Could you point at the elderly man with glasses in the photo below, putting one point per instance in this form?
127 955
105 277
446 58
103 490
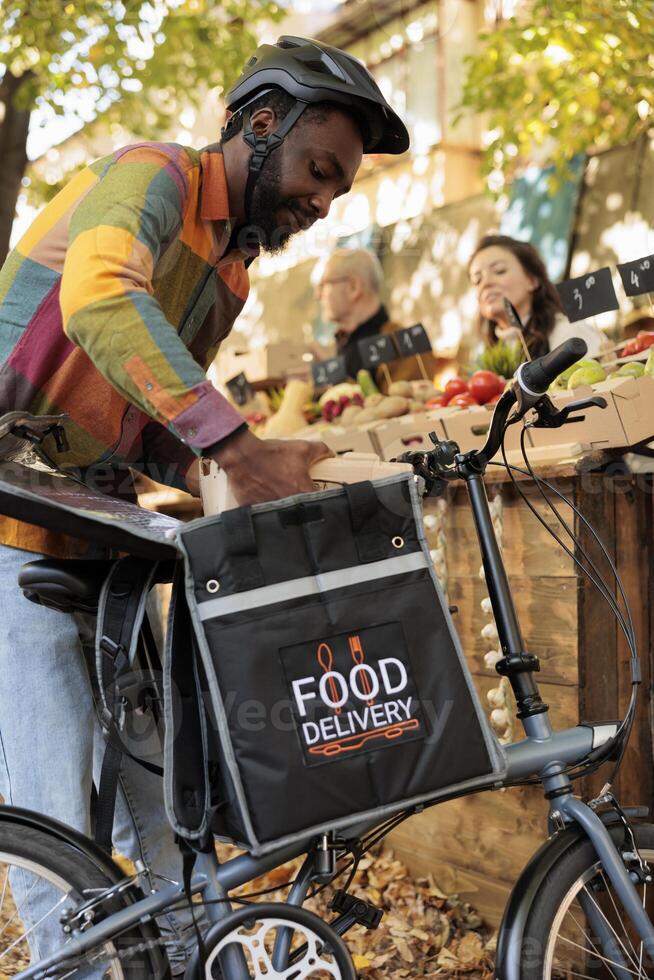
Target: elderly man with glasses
349 291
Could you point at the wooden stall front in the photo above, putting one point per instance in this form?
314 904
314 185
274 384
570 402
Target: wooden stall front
477 846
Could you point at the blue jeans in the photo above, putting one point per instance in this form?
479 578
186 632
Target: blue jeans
51 749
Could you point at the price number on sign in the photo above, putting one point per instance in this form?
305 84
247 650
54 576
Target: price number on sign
377 350
588 295
412 340
638 276
329 372
240 389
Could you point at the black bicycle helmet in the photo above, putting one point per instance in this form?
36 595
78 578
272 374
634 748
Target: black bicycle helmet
311 71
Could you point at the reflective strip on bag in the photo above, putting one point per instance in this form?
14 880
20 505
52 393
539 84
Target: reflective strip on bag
310 585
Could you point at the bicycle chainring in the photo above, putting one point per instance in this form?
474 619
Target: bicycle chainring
273 941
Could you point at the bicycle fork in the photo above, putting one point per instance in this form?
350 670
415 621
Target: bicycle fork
569 808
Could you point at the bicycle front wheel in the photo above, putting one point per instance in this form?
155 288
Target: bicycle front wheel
577 926
43 878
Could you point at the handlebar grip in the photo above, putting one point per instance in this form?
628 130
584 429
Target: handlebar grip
535 377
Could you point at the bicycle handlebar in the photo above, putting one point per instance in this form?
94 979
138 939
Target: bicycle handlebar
532 380
535 377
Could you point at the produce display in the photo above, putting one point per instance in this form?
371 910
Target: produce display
590 372
282 412
353 406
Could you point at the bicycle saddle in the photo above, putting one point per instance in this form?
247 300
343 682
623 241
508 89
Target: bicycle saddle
66 584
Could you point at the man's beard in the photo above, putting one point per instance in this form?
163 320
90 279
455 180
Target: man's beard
266 201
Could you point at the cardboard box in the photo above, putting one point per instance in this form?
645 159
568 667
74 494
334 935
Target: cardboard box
468 427
275 361
559 454
634 401
602 428
410 433
217 496
355 439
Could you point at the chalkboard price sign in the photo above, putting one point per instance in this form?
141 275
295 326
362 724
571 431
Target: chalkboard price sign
329 372
240 389
638 277
377 350
588 295
413 340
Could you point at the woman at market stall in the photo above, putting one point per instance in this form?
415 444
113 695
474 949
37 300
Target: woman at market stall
504 268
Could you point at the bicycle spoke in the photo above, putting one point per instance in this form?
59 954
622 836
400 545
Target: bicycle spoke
607 962
612 929
16 913
4 890
642 945
588 940
610 893
33 927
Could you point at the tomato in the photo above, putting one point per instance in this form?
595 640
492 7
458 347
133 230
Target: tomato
438 401
456 386
494 400
484 385
638 344
463 400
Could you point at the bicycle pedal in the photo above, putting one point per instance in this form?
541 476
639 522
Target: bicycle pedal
363 913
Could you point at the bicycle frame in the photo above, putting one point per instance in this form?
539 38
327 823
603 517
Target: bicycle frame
543 753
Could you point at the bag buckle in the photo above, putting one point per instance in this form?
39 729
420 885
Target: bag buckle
110 724
107 645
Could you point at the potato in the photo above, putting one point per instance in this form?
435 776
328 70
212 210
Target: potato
373 400
391 407
422 385
349 414
401 388
416 406
366 415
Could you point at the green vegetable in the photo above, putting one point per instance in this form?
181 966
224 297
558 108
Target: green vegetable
502 358
366 382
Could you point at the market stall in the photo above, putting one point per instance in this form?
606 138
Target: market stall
476 846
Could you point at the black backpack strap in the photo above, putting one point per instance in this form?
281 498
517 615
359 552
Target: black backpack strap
186 783
121 614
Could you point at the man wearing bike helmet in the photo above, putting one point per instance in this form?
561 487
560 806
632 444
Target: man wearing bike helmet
112 306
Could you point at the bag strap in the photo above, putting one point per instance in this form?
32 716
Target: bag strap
187 790
365 513
121 613
241 548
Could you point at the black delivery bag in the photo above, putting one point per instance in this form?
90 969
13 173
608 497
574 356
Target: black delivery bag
313 675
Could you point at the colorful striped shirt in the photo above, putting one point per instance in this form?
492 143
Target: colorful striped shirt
112 307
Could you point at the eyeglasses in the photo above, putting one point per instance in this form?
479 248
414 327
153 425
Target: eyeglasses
330 282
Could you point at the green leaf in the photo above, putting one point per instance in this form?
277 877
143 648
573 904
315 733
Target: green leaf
566 72
200 45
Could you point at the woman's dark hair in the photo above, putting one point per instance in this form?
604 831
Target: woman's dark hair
545 299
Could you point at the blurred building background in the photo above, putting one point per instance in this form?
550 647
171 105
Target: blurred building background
423 212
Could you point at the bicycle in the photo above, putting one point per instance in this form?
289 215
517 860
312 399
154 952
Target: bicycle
579 907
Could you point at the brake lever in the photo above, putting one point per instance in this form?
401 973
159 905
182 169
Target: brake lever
548 417
431 466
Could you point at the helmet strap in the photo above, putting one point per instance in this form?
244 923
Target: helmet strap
262 147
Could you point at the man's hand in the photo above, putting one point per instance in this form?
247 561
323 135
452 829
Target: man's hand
267 469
